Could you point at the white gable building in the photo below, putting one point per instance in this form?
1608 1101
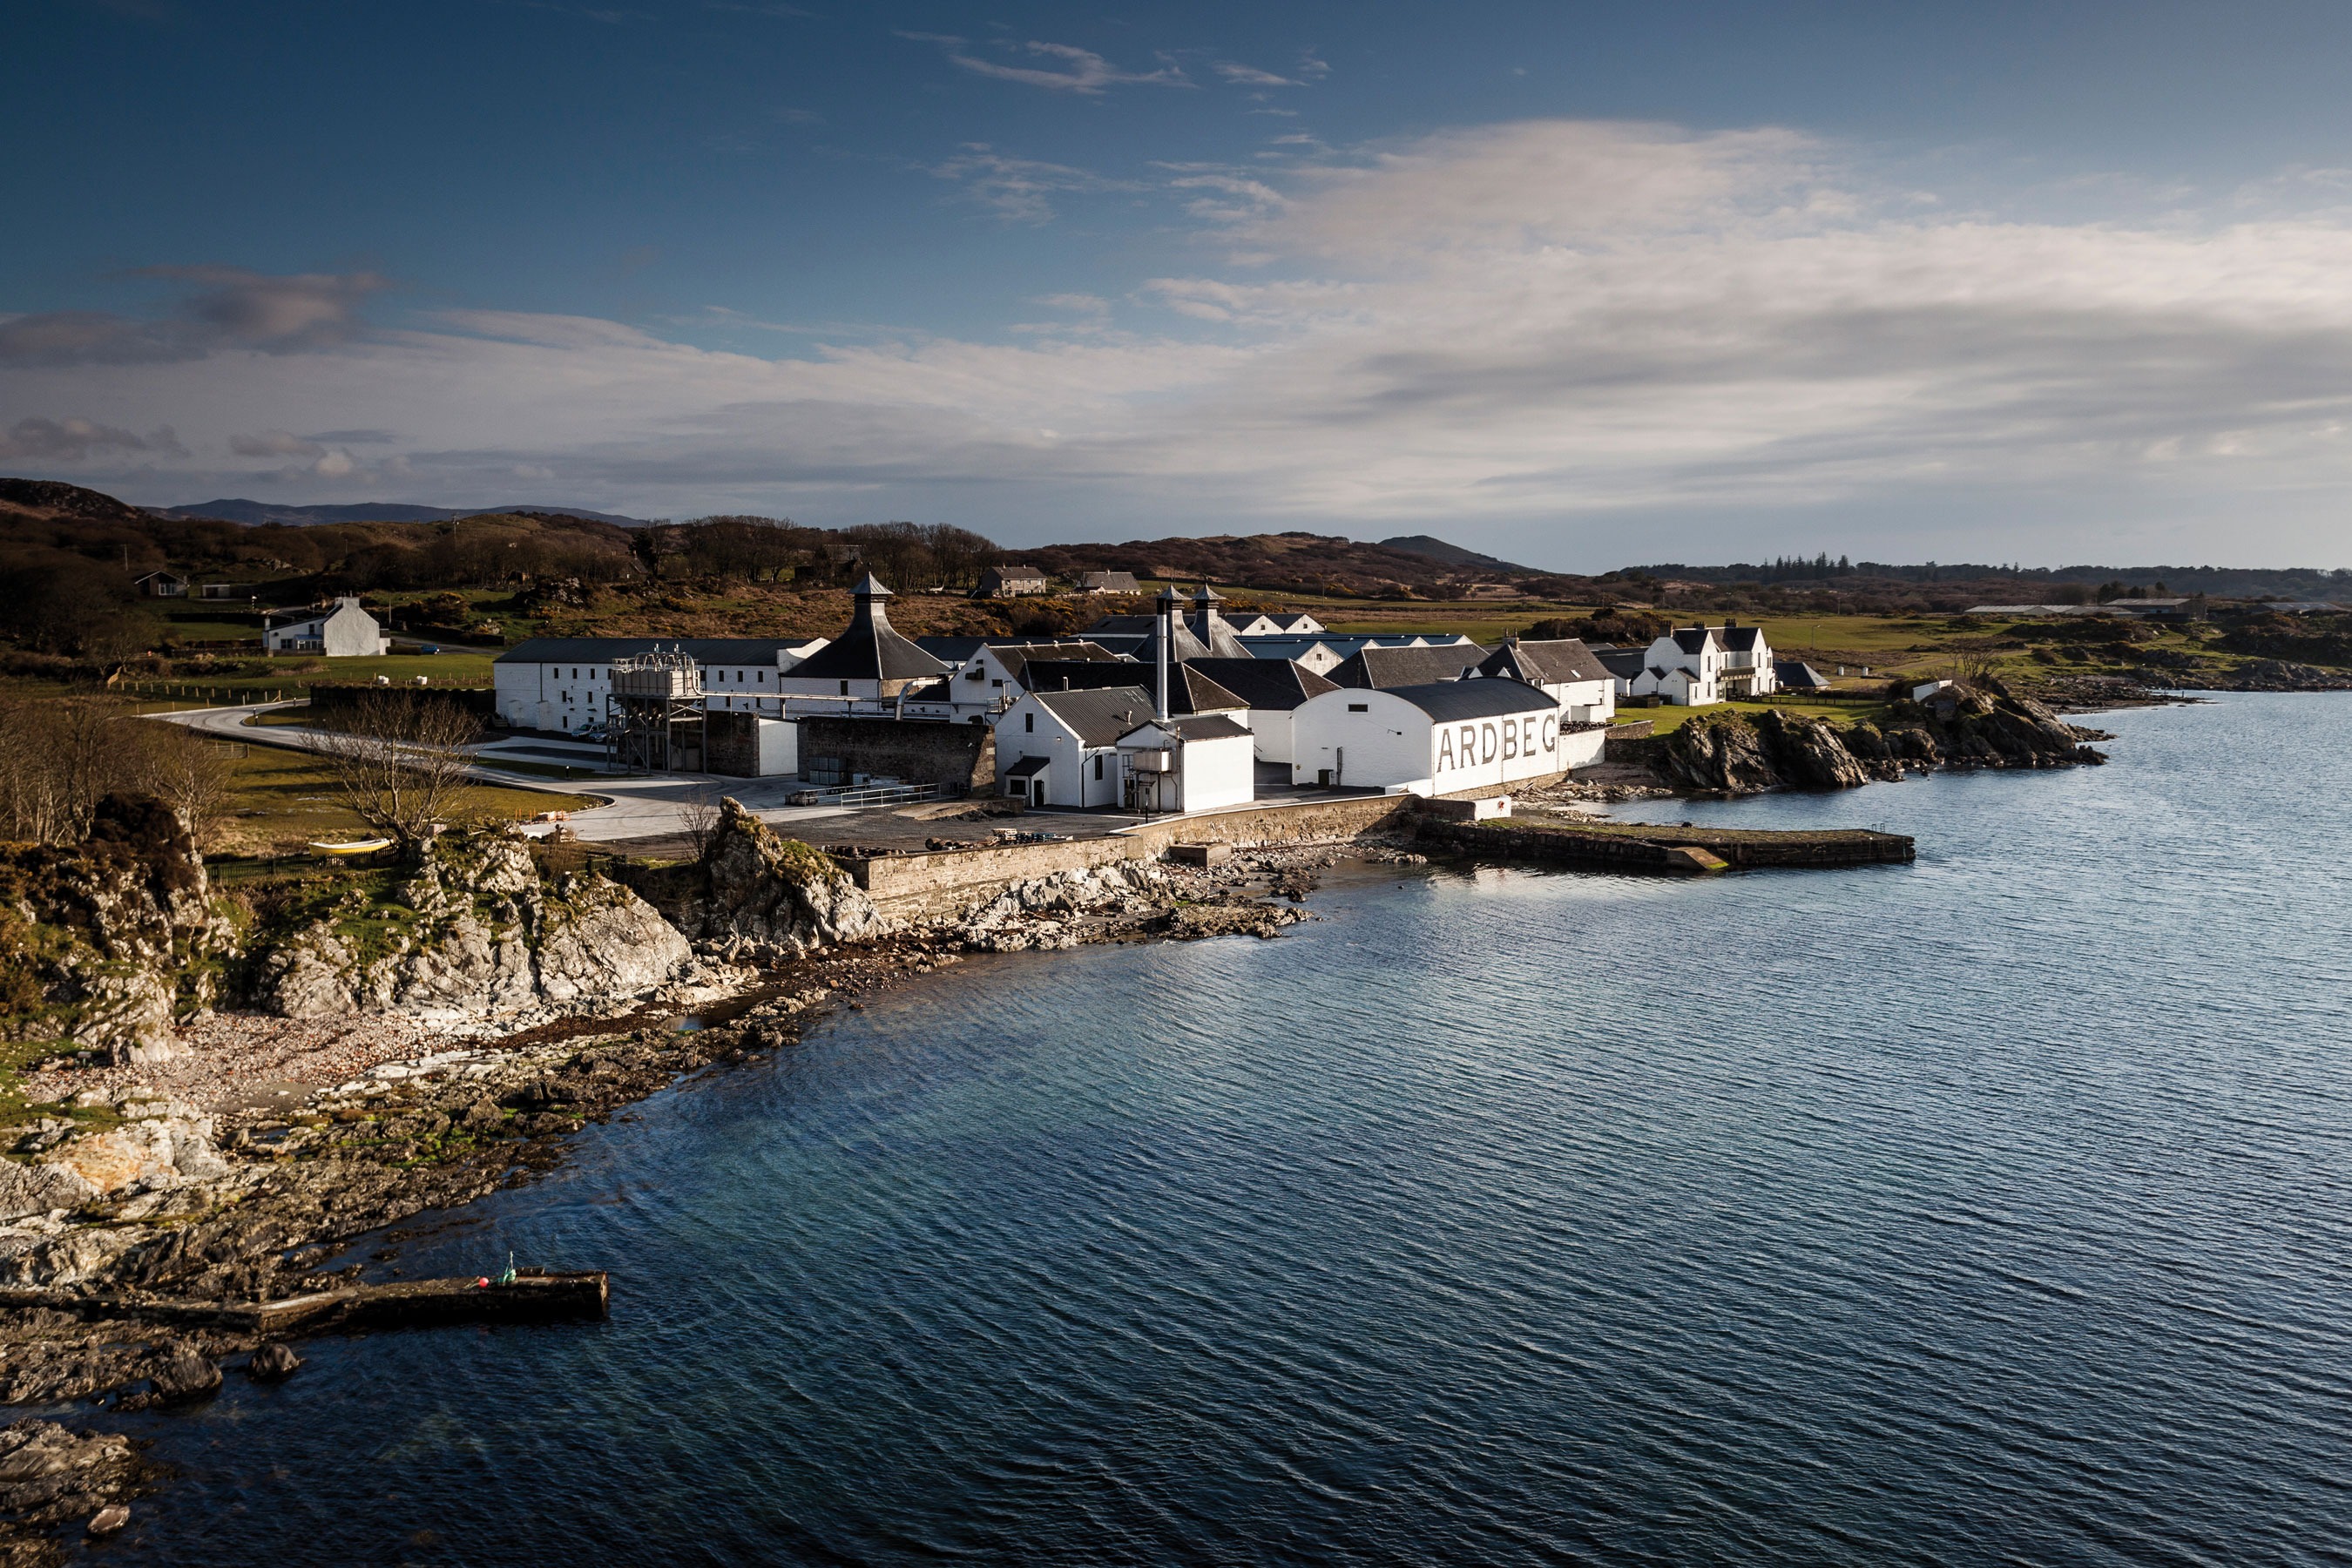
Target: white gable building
1437 738
341 631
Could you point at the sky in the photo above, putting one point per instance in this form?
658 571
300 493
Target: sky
1581 285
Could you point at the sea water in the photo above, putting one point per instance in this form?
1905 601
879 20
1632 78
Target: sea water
1993 1209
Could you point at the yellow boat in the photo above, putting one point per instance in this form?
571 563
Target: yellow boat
357 846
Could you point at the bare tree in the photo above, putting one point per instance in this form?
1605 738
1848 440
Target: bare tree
194 776
697 817
401 764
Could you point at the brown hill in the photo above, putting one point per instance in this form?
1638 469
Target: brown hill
1284 564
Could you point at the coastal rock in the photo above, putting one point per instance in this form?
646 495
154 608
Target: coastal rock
41 1189
1986 725
112 939
476 933
49 1475
757 895
273 1362
186 1373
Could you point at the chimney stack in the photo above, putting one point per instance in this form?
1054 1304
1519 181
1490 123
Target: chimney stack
1168 607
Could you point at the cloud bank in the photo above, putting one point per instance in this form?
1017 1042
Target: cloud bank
1548 331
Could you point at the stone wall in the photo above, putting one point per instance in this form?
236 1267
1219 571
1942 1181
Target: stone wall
906 886
916 750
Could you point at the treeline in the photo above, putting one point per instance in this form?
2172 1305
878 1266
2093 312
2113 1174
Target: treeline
2219 582
906 556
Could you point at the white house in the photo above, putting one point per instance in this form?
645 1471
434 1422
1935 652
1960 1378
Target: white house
1274 687
343 630
986 674
1009 583
1437 738
1061 748
1321 655
1684 667
1563 667
1195 761
1748 667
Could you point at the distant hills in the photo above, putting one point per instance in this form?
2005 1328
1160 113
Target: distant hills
1437 549
236 509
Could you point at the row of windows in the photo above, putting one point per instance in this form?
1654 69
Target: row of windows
760 676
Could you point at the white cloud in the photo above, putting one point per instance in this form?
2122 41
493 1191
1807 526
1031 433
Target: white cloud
1072 69
1250 75
1021 188
1524 326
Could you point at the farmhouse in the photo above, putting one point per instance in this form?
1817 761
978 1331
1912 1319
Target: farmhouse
343 630
1434 738
163 586
1010 583
1108 582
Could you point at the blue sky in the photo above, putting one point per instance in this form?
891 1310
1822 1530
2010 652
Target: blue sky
1579 284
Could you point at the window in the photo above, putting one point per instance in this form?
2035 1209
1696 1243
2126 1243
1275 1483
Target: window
845 688
1359 707
1029 723
764 677
1097 765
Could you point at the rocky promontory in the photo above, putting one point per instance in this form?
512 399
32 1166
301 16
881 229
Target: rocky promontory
1983 725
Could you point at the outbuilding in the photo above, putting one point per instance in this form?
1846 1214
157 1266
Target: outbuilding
1199 762
1438 738
1274 687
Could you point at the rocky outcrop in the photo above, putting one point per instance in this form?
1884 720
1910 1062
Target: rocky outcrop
138 1157
1037 911
757 896
49 1475
1983 727
105 946
475 933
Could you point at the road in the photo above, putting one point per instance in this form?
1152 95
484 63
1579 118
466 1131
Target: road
646 807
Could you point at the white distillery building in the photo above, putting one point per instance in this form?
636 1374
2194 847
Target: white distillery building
1274 687
1193 761
1564 667
560 684
1438 738
341 630
1061 748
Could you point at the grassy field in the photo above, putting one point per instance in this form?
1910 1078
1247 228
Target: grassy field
258 678
283 799
1668 718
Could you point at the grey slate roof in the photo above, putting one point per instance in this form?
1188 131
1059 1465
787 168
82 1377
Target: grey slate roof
1270 683
1191 691
1100 717
1195 727
1557 660
1690 639
1624 663
953 650
1447 701
1017 657
1394 667
1796 675
1743 638
870 649
747 651
1109 581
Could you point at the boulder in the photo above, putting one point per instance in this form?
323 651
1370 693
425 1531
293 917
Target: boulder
273 1362
41 1189
186 1373
111 1520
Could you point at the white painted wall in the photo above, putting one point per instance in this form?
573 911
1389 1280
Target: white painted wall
1360 737
1271 731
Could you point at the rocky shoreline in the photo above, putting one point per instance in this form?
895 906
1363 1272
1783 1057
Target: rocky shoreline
219 1167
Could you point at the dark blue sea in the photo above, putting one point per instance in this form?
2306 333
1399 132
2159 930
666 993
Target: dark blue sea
1993 1209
